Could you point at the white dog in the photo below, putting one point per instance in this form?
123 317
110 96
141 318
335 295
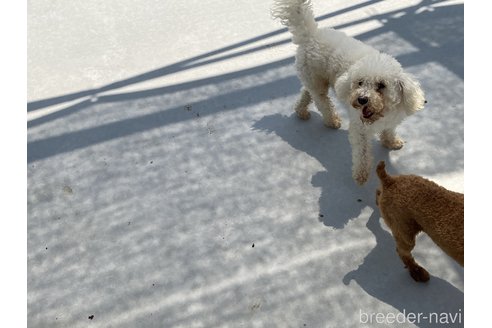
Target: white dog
373 84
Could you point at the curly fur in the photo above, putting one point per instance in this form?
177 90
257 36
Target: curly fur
373 85
410 204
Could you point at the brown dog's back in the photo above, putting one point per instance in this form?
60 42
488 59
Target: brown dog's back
439 212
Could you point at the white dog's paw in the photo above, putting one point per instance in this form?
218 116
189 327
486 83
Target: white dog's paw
395 143
333 122
303 114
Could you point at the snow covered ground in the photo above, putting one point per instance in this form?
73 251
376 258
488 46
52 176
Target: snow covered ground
170 184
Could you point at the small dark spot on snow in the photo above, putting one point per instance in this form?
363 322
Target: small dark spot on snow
91 317
197 114
46 248
359 200
255 306
321 216
188 107
151 162
253 245
68 190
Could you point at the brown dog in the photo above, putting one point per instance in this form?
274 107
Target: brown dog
410 204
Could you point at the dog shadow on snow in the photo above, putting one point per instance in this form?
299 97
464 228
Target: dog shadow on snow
341 198
381 274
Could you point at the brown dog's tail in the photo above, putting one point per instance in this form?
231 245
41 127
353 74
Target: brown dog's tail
385 178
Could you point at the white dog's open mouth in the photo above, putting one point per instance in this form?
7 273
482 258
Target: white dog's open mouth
366 112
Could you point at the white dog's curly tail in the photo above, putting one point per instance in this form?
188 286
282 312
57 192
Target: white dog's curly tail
298 16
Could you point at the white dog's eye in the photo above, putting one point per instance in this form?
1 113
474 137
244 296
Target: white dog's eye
381 86
360 83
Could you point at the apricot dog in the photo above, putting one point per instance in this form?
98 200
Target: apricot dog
410 204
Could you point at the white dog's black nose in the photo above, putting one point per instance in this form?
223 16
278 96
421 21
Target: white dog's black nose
362 100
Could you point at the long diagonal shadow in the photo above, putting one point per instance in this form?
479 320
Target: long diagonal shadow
163 90
50 146
189 63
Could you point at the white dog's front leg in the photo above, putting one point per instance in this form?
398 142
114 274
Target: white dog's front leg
390 139
361 153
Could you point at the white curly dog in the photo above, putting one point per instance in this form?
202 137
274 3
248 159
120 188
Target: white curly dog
373 84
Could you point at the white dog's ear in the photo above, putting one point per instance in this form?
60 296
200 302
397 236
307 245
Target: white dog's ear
412 96
343 86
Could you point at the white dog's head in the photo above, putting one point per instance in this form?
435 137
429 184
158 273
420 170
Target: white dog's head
377 84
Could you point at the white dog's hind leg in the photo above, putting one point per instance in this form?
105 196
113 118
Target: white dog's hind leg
390 139
327 109
361 154
301 106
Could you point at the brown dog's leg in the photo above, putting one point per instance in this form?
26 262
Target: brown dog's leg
404 247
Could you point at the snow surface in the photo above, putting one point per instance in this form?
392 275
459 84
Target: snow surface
171 185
